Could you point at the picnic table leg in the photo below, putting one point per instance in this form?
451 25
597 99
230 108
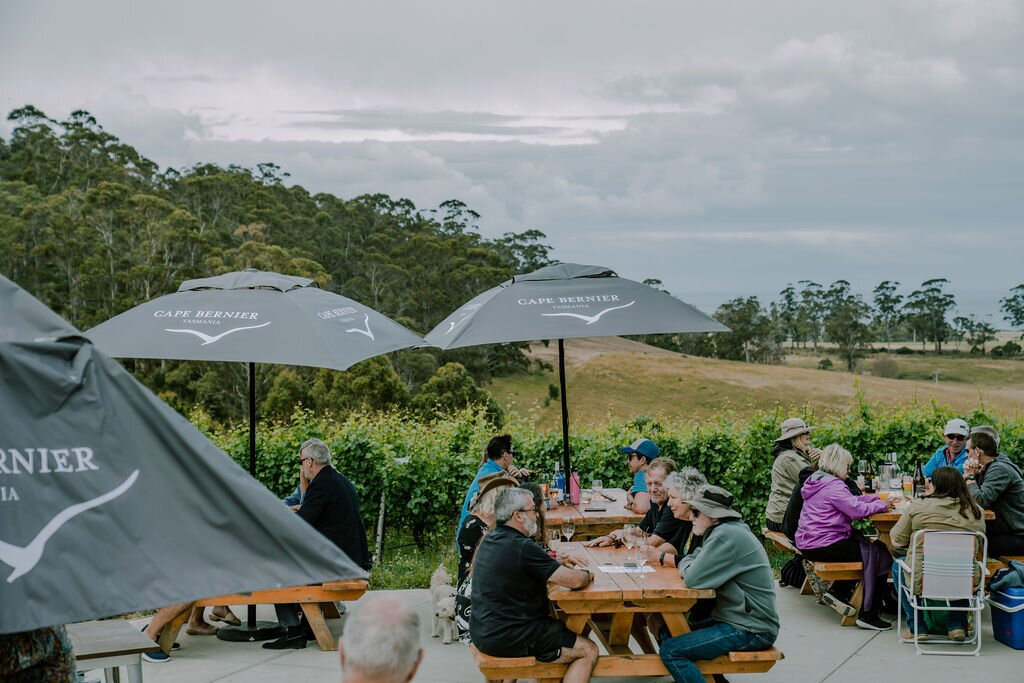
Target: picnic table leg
170 632
856 601
806 588
315 619
577 622
642 635
676 623
135 672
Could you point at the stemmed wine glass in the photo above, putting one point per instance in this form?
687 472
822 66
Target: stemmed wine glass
568 529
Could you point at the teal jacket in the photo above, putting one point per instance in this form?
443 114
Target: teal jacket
733 562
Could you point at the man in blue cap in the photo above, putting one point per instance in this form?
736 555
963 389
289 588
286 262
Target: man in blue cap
641 452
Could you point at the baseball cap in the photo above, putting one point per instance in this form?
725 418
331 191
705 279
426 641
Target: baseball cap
645 447
956 426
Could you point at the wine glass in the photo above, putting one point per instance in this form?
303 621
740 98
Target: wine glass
568 529
629 536
596 485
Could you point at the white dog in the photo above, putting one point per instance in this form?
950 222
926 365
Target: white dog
443 595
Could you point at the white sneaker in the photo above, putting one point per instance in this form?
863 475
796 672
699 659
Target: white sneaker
844 609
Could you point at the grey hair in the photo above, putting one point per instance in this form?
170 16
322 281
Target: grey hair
987 429
510 500
685 482
317 450
381 640
835 460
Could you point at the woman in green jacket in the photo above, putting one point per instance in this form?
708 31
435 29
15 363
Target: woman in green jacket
946 506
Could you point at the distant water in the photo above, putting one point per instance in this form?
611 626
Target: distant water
983 303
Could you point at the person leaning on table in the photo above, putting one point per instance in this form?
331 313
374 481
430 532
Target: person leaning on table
994 481
732 562
946 506
658 522
511 611
825 534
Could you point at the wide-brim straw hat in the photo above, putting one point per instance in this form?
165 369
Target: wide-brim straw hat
715 502
495 480
794 426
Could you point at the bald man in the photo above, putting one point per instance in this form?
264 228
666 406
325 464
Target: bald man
381 641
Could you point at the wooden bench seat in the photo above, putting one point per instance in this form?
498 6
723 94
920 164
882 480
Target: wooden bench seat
780 541
317 603
500 668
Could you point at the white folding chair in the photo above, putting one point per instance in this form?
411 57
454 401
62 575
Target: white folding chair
948 566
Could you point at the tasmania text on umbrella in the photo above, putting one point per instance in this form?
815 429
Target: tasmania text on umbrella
567 301
102 485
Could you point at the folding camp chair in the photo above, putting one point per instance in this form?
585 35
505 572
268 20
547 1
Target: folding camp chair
950 570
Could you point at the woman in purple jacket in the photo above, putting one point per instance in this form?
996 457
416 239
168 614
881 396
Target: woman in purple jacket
825 534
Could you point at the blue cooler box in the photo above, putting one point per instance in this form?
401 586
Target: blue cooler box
1008 616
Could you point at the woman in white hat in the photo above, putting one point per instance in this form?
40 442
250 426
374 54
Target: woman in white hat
793 452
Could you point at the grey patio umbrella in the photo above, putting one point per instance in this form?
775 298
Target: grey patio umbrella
112 502
254 317
567 301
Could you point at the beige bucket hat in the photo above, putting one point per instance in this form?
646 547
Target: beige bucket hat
794 426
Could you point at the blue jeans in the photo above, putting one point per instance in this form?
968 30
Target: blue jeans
709 639
954 620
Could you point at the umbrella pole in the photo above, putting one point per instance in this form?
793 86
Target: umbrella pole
251 609
565 411
251 630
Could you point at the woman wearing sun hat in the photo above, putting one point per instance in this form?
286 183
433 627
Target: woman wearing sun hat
732 562
793 452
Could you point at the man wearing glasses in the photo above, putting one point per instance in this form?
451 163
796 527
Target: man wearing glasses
331 506
511 611
954 453
498 458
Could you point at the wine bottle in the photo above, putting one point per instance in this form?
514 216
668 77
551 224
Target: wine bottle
869 479
919 481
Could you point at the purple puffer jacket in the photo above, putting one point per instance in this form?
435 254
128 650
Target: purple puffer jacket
829 507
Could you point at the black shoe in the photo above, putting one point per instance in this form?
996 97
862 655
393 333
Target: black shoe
174 646
294 641
873 622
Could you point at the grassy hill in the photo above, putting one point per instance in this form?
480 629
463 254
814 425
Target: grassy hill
618 379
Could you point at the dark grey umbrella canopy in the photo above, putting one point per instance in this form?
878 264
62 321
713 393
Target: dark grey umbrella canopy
111 502
566 301
256 317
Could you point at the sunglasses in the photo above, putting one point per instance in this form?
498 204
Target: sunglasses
955 437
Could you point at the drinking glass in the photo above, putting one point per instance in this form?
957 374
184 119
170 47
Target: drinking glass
586 496
554 537
908 487
596 485
629 536
568 529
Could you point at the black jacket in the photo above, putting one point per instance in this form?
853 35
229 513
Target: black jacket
791 519
331 506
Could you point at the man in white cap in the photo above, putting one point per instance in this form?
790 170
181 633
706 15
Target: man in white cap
954 453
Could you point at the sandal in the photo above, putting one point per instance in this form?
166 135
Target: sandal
228 618
201 630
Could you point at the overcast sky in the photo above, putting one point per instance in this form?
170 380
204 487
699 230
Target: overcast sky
723 147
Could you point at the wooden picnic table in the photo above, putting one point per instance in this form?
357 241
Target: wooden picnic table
614 607
602 517
108 645
885 521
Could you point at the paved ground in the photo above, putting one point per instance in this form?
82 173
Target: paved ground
816 648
